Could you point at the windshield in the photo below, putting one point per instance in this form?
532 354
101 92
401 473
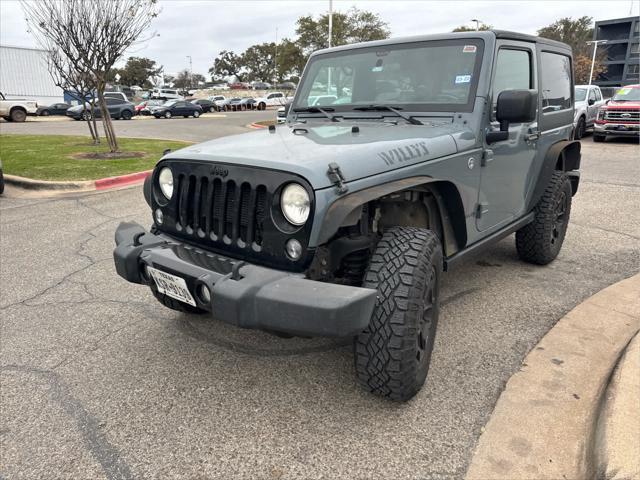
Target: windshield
581 94
627 95
436 75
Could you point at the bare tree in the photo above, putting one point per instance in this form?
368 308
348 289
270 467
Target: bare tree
96 33
67 76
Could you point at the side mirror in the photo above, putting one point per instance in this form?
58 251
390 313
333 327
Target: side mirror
591 101
515 106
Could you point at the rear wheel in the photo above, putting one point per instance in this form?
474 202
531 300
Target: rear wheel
540 241
18 115
167 114
393 354
45 113
262 106
580 129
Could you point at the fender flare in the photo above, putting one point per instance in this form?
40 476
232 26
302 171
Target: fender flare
564 156
448 200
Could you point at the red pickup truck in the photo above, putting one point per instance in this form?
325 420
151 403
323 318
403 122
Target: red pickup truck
620 116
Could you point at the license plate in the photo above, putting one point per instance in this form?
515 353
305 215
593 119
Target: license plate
172 285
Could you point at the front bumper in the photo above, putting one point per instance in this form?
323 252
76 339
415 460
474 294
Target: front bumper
623 129
246 295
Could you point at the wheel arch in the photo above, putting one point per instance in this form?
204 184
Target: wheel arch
562 156
446 204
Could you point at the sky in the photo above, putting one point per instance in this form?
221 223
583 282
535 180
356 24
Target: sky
202 28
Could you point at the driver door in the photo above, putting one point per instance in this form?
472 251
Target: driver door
506 165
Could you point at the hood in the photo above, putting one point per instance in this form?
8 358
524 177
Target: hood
376 148
632 105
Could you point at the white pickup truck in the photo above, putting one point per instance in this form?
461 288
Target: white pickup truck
16 110
589 99
274 99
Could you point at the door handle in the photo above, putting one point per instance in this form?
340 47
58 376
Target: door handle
531 136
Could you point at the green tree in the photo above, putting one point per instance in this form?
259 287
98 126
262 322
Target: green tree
186 79
464 28
259 62
291 60
137 71
351 27
576 33
226 64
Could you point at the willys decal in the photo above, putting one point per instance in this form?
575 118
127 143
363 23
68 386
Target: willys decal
404 154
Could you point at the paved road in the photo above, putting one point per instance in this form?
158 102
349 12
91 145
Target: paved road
190 129
100 381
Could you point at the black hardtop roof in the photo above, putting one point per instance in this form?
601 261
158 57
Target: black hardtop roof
522 37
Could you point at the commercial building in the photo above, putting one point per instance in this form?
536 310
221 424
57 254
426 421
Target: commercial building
621 49
24 75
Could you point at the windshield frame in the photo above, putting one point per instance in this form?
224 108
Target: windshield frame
305 86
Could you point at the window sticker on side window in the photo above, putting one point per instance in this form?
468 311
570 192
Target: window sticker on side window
463 78
469 49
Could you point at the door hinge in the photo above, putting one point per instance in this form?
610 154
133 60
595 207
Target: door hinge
481 209
337 178
487 157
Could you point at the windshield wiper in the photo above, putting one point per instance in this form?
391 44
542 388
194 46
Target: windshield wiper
412 120
325 111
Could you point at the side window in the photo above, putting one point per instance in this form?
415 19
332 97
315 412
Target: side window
513 72
592 95
556 82
598 95
112 101
277 95
271 95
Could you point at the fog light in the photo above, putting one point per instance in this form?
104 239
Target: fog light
204 293
294 249
159 216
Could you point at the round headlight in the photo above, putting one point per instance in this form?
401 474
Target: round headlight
295 204
165 180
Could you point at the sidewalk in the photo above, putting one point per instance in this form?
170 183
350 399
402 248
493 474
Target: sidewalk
572 411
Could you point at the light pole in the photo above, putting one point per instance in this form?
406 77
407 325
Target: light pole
190 71
276 58
593 59
330 21
477 23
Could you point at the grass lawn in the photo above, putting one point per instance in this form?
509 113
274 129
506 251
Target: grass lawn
50 157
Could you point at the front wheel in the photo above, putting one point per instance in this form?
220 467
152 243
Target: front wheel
45 113
18 115
540 241
126 115
167 114
262 106
196 114
392 355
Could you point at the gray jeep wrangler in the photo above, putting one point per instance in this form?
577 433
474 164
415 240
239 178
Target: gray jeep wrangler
398 159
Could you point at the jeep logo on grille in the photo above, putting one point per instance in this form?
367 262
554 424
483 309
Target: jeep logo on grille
218 171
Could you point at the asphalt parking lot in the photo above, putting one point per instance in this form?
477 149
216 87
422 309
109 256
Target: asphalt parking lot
101 381
209 125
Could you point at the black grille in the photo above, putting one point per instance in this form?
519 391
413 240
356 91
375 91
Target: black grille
230 211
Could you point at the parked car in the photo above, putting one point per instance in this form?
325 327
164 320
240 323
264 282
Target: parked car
348 231
271 100
165 94
220 86
206 104
588 99
286 86
218 100
239 86
177 108
620 116
261 86
54 109
1 178
247 103
118 95
117 110
16 110
281 115
149 106
226 104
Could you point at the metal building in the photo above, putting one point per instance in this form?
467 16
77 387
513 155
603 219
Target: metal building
24 74
622 49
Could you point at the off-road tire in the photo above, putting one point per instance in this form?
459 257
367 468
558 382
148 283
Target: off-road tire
18 115
393 353
173 304
599 138
540 241
580 129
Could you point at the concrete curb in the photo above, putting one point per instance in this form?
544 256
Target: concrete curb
544 424
84 185
256 125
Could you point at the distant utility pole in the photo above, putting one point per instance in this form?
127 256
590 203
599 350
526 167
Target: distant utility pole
593 59
477 23
276 57
190 71
330 21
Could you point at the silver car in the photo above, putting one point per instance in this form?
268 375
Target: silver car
588 99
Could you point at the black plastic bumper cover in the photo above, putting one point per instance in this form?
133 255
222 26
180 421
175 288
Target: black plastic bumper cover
246 295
